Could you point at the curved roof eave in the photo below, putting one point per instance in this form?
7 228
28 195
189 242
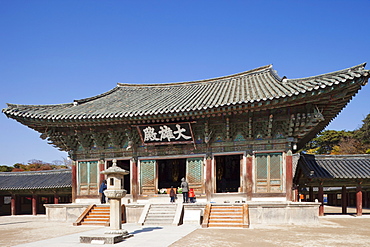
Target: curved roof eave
146 100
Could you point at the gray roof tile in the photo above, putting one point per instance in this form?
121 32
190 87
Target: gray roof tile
51 179
127 100
336 166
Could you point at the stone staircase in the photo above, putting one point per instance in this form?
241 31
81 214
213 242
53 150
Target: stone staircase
96 215
160 214
226 216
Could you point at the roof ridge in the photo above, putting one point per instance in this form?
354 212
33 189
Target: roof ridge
36 172
49 105
346 70
79 101
248 72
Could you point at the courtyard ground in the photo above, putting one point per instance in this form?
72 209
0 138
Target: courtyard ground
334 229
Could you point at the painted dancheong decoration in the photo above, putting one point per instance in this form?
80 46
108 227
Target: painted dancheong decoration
232 135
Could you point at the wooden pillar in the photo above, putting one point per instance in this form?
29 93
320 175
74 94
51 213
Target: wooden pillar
13 205
56 198
289 175
134 181
359 200
249 179
74 181
321 200
208 179
101 168
312 199
344 200
296 194
34 204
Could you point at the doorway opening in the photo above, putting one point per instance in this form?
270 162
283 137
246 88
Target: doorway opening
170 172
124 164
227 173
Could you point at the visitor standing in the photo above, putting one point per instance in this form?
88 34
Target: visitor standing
192 195
185 190
103 187
172 194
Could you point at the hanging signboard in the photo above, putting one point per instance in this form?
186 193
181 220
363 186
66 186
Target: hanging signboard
162 134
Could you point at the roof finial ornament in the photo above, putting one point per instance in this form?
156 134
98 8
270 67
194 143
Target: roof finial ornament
114 163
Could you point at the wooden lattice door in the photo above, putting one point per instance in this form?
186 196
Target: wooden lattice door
88 178
194 168
148 177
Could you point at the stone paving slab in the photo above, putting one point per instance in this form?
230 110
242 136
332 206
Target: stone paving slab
334 230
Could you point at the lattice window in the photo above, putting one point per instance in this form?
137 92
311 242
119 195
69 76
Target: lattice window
269 172
88 177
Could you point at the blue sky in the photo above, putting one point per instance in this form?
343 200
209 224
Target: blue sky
54 52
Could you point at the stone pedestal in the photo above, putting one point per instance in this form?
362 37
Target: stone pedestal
114 193
115 208
104 238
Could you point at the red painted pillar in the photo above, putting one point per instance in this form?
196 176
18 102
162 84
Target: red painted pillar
34 204
289 175
134 181
13 204
344 200
56 198
249 177
208 179
359 200
295 194
312 199
101 168
321 200
74 181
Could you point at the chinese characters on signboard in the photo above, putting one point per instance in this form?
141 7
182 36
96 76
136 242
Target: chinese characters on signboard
166 133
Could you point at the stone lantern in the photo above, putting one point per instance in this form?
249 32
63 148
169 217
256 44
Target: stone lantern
115 192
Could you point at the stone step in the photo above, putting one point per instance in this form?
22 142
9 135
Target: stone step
226 216
156 222
162 212
225 225
93 223
223 217
95 219
160 218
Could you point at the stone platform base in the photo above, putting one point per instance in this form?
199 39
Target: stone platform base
104 238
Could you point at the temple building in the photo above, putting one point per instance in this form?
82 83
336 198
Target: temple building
229 137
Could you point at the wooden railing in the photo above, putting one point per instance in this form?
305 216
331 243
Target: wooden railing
206 214
83 215
245 216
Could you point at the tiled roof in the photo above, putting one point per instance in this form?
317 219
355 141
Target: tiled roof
126 101
51 179
336 166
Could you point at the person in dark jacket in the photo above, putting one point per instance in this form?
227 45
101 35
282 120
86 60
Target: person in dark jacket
103 187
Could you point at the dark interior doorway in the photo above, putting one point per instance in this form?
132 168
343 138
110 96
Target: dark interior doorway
227 173
124 164
170 172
